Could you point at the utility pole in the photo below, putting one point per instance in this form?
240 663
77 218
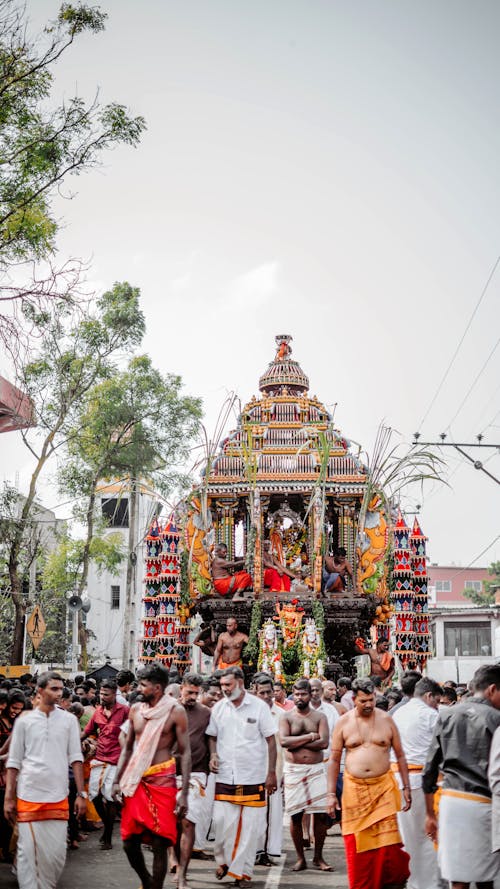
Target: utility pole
129 614
459 446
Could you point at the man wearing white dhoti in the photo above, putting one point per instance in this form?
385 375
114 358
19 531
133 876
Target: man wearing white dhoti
196 821
416 722
460 750
270 843
45 742
243 756
494 780
304 735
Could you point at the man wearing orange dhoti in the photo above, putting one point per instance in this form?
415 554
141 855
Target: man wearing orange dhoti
226 582
276 575
45 741
371 797
229 646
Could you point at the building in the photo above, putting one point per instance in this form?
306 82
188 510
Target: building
463 638
447 584
16 408
110 619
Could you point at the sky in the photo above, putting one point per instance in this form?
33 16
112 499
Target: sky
321 168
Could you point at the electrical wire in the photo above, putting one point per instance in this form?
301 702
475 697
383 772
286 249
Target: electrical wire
473 384
457 350
491 423
481 554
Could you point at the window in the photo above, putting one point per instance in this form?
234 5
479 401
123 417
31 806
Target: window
443 586
472 639
115 511
476 585
115 597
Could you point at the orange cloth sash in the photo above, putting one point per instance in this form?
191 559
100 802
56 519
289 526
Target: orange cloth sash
223 666
473 797
385 660
412 767
369 807
27 811
253 795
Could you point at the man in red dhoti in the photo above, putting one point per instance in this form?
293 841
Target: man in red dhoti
224 581
371 797
146 777
276 576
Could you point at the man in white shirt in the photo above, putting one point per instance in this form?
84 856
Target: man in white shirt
45 742
318 703
242 744
415 722
345 692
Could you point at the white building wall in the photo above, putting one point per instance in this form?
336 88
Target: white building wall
461 669
104 621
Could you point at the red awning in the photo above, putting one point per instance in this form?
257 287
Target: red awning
16 408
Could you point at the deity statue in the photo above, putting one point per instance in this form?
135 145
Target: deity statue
312 650
269 660
290 621
371 548
199 537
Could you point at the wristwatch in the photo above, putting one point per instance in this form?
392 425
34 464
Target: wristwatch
83 794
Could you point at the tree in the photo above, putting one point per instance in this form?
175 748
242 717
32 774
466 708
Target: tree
486 596
60 577
71 355
42 143
134 425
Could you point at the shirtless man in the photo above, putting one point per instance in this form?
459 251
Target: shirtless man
371 797
304 736
145 777
335 568
381 660
207 638
224 581
229 647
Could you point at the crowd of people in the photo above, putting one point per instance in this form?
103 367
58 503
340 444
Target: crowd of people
201 766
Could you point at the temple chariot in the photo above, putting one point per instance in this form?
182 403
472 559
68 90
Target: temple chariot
286 484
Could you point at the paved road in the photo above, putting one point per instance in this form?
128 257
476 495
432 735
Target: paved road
89 866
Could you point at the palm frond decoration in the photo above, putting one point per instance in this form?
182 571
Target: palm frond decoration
389 471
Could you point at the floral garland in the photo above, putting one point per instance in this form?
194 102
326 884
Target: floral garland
251 650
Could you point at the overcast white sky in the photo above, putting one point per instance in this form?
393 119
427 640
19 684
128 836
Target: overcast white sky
318 167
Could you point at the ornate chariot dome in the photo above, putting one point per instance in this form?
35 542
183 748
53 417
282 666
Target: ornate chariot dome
284 375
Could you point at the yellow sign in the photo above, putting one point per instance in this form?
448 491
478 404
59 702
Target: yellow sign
36 627
14 672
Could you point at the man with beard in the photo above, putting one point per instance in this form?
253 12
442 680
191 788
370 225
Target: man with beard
196 821
145 776
371 797
304 736
243 757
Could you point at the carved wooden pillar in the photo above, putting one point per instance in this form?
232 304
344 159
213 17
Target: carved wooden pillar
317 528
257 559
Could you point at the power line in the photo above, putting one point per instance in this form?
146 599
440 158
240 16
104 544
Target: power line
450 365
473 384
481 554
491 423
